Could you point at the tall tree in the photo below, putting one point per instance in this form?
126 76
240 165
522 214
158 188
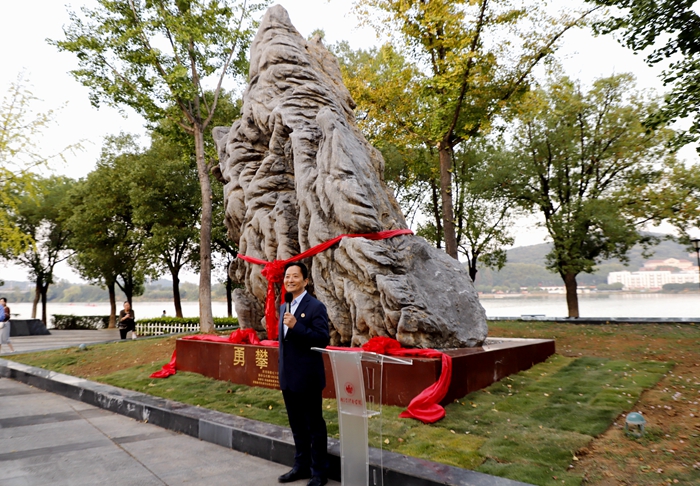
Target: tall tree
20 155
166 204
109 246
41 218
667 30
155 55
224 249
484 215
467 72
381 82
585 161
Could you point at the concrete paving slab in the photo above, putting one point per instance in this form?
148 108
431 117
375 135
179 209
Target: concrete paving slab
72 443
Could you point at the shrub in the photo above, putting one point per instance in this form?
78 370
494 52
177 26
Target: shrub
612 286
63 322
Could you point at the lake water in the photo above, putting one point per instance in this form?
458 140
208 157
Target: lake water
597 305
593 305
142 309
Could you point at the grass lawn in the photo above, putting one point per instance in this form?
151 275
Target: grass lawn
558 423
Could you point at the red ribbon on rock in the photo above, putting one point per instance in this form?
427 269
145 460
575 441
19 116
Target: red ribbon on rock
426 405
274 271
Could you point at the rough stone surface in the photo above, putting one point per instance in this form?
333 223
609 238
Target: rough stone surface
297 173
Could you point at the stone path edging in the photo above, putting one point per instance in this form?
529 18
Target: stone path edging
270 442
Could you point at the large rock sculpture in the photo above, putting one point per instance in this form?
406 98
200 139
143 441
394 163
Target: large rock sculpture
297 173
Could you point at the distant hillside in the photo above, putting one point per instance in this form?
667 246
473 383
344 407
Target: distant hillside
526 267
666 249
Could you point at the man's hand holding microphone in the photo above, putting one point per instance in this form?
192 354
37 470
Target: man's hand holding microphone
289 320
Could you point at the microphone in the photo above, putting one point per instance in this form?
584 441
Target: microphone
288 298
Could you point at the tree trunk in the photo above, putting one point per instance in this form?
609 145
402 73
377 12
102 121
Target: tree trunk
571 295
37 296
44 292
436 214
112 306
448 219
206 320
472 270
176 292
229 298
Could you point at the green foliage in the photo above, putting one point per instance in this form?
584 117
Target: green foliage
109 245
663 30
154 57
166 200
586 162
613 286
20 133
680 287
441 80
41 217
62 322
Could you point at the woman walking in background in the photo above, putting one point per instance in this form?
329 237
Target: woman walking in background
127 321
5 324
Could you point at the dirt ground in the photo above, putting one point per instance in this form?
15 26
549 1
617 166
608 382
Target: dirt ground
669 453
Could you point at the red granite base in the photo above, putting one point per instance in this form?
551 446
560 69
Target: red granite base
472 368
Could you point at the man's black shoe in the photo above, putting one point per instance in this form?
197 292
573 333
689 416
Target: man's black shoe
317 481
294 474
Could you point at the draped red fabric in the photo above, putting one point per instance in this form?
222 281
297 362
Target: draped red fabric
274 271
167 369
426 405
239 336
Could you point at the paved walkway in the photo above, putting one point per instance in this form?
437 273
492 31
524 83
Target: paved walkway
47 439
59 339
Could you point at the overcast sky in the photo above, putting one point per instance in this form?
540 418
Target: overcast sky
25 26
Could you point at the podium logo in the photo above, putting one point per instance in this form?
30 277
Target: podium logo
349 388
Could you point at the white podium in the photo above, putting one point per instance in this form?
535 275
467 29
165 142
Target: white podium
353 412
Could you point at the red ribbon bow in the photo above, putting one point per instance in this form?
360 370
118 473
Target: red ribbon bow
274 271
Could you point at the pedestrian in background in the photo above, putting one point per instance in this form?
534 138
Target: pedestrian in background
5 324
127 321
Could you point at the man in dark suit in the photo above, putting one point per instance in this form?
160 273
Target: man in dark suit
302 376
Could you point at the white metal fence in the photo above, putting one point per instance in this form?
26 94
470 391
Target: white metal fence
158 329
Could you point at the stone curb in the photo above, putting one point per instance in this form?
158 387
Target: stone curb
269 442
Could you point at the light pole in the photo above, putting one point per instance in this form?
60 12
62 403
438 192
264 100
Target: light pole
696 245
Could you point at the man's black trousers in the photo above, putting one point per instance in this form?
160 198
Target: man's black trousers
305 411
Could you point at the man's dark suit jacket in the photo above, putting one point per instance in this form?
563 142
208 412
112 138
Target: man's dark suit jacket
300 368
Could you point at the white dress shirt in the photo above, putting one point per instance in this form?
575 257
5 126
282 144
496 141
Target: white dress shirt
293 309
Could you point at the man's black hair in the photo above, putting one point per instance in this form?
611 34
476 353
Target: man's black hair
304 270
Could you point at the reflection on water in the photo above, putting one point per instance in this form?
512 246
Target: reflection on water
597 305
